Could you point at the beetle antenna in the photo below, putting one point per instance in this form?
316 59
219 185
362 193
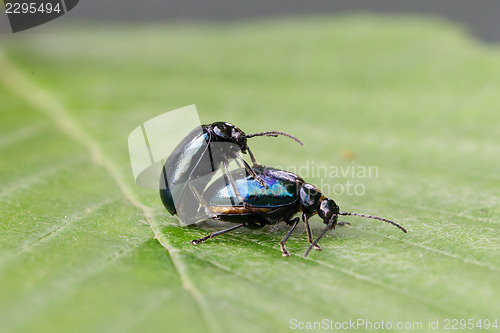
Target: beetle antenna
375 218
328 227
331 225
275 134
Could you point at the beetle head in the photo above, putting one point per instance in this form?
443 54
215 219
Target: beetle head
227 132
328 210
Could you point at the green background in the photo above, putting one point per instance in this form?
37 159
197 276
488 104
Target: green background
82 248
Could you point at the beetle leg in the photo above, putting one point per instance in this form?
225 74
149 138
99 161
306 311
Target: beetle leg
252 157
217 233
309 233
251 172
230 179
201 201
238 162
295 221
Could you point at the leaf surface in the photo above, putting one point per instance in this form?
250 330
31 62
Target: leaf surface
82 248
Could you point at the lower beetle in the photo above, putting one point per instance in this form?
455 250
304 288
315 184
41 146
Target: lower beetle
286 195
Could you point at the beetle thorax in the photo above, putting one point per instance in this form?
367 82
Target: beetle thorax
310 197
226 132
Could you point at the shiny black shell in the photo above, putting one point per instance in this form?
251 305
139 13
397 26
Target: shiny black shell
194 157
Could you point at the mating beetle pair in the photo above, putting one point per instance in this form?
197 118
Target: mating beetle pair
251 196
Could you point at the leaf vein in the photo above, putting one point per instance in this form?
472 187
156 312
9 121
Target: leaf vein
41 100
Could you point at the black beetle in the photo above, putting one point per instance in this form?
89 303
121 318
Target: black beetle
195 160
286 195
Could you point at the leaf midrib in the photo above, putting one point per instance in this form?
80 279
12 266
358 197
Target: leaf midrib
42 101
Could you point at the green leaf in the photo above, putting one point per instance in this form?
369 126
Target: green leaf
82 248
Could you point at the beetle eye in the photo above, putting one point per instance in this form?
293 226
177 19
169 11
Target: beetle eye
327 208
239 138
236 136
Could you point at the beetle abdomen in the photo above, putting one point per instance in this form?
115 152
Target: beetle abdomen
281 190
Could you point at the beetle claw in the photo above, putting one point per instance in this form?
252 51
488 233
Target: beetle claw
262 182
284 250
211 215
